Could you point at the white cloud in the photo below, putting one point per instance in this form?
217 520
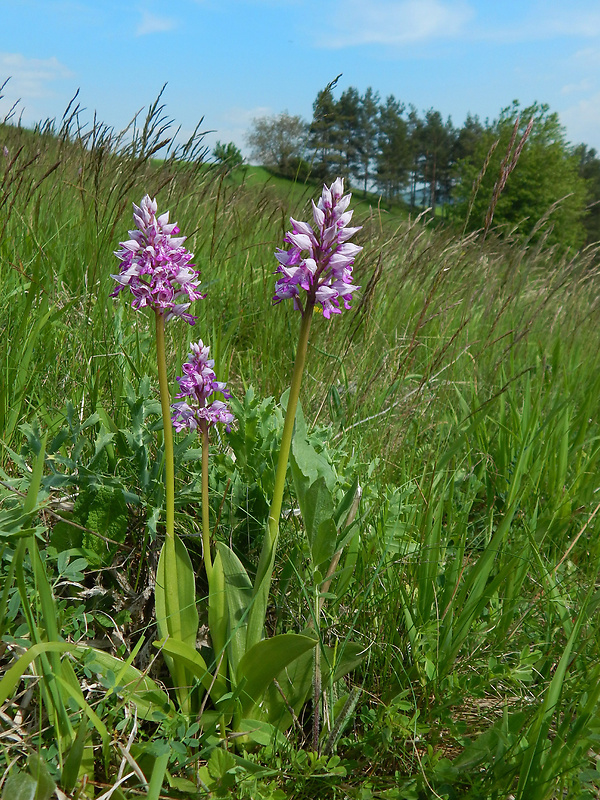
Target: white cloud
150 23
587 58
243 116
408 22
582 121
233 124
571 22
542 21
29 80
395 22
29 77
584 85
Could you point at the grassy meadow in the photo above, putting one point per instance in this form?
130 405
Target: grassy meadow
462 391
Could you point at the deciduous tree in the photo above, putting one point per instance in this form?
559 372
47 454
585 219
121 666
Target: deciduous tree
589 169
278 141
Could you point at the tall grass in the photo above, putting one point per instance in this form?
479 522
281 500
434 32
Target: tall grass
463 388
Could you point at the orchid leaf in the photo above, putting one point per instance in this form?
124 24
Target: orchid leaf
189 657
175 594
263 662
238 595
175 602
20 786
218 620
261 732
295 680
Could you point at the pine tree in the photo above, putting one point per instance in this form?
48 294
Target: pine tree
437 139
394 154
347 131
323 135
415 145
367 139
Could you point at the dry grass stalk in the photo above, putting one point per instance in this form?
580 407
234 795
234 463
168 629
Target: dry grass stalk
509 162
477 182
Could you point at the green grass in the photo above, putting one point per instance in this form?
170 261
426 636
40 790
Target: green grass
462 389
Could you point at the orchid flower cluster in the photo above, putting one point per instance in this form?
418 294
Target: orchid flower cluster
156 267
200 383
326 272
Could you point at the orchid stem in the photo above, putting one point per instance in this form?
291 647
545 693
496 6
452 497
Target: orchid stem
172 608
205 508
165 404
284 450
317 674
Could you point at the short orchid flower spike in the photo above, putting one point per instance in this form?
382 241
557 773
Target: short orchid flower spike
320 258
156 266
199 383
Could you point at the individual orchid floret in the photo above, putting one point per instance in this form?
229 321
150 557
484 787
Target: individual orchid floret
156 266
199 384
320 259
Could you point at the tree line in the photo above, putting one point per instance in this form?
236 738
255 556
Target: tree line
425 161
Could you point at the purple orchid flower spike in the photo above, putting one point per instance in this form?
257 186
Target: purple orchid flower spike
156 266
320 258
199 383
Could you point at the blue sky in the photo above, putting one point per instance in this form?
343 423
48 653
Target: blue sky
233 60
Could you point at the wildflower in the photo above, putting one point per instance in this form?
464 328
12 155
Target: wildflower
320 259
200 383
155 265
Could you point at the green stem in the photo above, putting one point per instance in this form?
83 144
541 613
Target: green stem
205 508
165 404
317 674
171 589
284 450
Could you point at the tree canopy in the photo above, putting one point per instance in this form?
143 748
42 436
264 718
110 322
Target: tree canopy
229 155
277 142
425 161
545 192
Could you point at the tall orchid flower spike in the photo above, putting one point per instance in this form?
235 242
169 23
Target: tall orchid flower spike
157 269
199 383
200 411
316 269
320 258
156 266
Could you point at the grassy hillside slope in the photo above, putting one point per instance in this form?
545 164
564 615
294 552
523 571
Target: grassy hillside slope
461 391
